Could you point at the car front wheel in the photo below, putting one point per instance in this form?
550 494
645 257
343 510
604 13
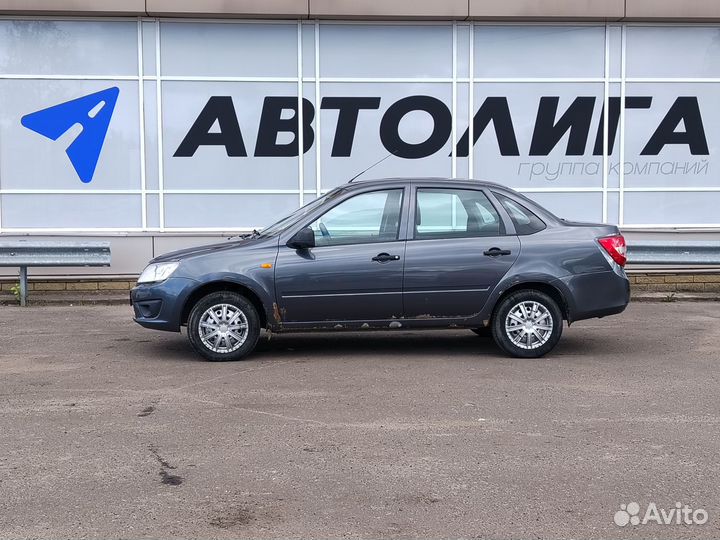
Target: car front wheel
223 325
527 324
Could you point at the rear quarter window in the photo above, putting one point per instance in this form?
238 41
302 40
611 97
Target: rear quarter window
525 221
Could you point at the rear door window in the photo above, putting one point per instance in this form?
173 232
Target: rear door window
455 213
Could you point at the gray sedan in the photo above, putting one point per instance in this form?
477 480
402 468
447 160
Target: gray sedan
393 253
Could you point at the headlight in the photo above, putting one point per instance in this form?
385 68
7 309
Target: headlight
157 272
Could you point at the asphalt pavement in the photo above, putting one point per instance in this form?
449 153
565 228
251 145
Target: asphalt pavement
108 430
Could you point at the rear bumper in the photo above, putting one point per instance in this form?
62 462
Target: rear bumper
159 305
597 294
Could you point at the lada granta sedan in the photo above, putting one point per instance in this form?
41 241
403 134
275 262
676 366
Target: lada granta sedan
394 253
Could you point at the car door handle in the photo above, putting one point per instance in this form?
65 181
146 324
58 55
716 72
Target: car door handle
494 252
385 257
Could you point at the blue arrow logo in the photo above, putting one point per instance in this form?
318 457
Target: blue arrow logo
93 112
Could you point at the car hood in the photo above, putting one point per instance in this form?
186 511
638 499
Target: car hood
182 254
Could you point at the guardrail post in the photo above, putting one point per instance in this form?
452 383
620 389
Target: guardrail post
23 285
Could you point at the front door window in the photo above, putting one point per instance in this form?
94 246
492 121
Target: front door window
363 219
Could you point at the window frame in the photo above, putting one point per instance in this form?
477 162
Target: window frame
402 222
506 226
523 206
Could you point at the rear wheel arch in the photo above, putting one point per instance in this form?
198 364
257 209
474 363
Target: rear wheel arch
552 291
221 285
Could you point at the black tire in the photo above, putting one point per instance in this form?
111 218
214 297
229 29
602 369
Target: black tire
485 331
228 348
508 304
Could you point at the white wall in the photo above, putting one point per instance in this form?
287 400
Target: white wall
167 71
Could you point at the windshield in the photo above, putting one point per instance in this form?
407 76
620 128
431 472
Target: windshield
279 226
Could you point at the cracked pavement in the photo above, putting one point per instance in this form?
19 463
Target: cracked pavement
108 430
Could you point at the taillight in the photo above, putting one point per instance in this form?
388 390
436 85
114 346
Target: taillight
615 247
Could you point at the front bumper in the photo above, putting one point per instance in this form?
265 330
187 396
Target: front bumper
159 306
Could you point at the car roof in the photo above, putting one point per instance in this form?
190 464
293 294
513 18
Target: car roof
429 180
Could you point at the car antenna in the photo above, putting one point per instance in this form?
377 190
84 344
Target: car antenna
370 167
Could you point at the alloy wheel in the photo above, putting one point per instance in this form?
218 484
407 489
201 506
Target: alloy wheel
223 328
529 324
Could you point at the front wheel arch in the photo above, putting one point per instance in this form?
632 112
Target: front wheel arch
219 286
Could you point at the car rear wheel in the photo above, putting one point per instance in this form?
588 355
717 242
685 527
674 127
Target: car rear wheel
527 324
223 326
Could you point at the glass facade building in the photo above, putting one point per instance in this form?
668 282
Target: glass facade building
616 122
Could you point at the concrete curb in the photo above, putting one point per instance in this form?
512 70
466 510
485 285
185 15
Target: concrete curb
674 297
70 299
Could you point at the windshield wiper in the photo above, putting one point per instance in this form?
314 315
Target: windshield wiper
245 236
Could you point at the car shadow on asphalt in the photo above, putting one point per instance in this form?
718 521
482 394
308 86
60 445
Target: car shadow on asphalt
420 344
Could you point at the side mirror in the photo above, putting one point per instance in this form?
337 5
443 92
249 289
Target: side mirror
303 239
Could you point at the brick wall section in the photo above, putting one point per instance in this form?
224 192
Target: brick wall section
708 283
81 285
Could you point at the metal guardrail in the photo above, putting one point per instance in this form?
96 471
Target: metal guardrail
24 254
47 253
674 253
